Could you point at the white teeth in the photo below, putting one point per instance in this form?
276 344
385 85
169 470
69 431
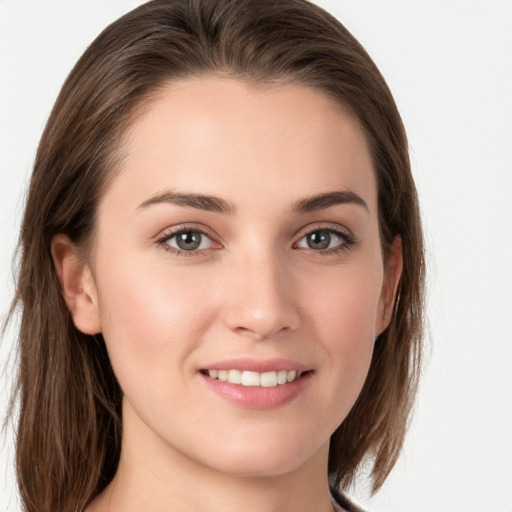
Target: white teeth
282 376
269 379
291 375
255 379
251 379
235 376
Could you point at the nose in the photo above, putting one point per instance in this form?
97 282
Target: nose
260 299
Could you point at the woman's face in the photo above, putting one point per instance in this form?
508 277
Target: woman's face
240 241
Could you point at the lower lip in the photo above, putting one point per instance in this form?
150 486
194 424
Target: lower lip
257 397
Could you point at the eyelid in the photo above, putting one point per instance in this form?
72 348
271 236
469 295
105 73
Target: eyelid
168 233
330 226
341 231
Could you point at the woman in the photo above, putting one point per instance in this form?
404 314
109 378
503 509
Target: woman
222 268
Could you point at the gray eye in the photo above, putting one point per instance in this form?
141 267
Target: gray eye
320 240
189 240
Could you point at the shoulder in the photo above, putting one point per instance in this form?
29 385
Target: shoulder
344 503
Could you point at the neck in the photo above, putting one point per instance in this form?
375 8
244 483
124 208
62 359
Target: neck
155 477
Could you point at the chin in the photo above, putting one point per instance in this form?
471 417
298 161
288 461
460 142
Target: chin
266 459
260 468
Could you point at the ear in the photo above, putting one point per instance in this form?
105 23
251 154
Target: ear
77 285
392 274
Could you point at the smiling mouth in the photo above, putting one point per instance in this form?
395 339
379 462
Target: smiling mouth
255 379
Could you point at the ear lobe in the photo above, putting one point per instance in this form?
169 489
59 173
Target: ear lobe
392 274
77 284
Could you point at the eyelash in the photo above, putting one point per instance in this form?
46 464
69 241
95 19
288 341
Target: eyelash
347 240
163 240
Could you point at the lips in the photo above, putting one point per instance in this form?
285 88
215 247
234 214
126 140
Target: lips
258 365
257 384
256 379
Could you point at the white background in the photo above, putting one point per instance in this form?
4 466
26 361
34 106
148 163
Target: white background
449 64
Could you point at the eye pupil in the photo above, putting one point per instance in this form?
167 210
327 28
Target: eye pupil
188 240
319 240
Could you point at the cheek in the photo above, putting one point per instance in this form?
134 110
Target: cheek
344 303
343 309
150 319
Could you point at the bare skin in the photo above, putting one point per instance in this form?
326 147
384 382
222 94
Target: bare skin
242 225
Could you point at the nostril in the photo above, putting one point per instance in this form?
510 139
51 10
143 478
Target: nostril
261 311
260 332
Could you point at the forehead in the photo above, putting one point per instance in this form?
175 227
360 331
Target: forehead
224 137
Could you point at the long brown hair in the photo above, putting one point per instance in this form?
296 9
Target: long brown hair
69 427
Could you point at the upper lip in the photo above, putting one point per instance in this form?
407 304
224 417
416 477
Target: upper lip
258 365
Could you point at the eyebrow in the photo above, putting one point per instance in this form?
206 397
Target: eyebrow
322 201
198 201
218 205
